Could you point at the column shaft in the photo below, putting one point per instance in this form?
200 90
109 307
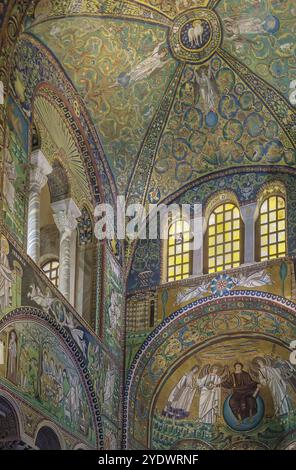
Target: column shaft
65 264
33 247
249 215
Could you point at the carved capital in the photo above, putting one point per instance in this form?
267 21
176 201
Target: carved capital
39 171
65 215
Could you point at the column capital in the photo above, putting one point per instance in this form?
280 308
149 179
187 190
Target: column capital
39 170
249 211
65 214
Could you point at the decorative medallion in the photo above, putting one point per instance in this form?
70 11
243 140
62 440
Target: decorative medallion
195 35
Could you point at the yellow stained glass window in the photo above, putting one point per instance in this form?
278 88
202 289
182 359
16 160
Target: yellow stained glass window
272 221
179 259
224 244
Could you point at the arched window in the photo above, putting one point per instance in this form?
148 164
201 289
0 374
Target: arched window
272 227
179 253
51 269
224 238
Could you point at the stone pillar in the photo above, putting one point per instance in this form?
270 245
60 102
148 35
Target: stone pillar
38 179
65 215
198 228
249 215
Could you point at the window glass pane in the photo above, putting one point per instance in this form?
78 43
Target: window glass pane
179 248
211 262
219 239
178 259
220 228
228 237
281 215
272 203
186 269
211 251
264 207
186 258
212 220
212 230
171 241
186 247
282 248
171 251
281 203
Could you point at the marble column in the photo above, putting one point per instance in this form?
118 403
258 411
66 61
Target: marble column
249 214
198 226
38 178
65 214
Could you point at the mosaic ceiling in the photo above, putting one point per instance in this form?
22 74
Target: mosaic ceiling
179 89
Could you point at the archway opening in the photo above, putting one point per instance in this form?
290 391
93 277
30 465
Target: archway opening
9 424
47 439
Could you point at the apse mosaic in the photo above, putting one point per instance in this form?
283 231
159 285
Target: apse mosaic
243 386
205 374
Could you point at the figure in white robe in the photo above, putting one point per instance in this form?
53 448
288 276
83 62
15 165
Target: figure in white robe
292 93
210 397
114 311
182 395
43 300
1 352
9 178
144 69
271 377
207 86
6 276
109 386
237 26
12 357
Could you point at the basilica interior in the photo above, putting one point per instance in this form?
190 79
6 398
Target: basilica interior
185 340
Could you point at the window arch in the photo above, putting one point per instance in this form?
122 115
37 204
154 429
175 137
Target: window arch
224 238
272 228
51 269
179 259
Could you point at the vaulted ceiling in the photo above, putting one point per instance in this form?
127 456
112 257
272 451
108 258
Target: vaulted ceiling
178 89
